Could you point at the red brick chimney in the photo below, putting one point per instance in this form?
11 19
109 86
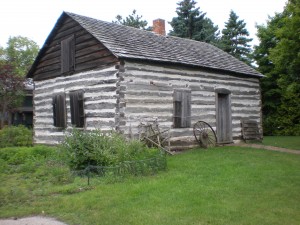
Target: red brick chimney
159 26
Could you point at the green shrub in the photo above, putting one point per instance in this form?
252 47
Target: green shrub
26 159
96 148
20 155
42 163
3 165
15 136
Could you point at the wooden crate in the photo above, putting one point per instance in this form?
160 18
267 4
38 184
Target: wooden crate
250 130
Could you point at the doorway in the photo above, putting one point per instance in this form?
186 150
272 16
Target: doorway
223 116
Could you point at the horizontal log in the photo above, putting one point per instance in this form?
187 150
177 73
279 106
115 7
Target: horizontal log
252 136
103 105
93 48
250 126
185 72
85 42
100 115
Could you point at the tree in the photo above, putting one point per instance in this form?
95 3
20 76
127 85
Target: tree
286 58
191 23
15 60
133 20
11 91
286 53
20 54
271 92
235 39
277 56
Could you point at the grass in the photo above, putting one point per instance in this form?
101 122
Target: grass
291 142
228 185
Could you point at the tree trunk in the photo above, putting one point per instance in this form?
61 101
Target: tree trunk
2 119
2 116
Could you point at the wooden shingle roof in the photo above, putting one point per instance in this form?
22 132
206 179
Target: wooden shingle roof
131 43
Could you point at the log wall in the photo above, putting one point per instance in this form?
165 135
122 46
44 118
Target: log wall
100 102
141 93
147 93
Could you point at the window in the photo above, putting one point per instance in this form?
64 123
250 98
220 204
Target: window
77 108
182 108
59 110
68 55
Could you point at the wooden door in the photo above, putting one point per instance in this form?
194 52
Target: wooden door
224 122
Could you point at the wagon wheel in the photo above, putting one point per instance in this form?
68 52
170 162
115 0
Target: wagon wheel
205 134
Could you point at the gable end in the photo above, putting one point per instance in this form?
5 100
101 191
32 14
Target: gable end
70 49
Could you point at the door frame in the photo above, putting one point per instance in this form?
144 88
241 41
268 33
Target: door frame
227 92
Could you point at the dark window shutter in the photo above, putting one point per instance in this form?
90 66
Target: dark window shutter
182 108
54 103
77 108
59 110
73 106
81 109
68 55
186 109
177 98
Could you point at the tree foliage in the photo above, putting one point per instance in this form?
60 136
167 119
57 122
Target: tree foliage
235 39
133 20
286 54
11 91
15 61
278 57
20 53
191 23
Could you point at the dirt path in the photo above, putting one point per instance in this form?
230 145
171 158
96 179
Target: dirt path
35 220
271 148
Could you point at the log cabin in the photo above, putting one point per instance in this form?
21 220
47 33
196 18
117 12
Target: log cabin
92 74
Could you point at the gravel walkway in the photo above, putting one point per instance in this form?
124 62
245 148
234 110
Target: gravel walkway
35 220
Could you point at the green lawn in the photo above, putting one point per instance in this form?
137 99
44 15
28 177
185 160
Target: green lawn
291 142
225 185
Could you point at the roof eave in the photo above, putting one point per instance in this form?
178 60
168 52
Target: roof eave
191 65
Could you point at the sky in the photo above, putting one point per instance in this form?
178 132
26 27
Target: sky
35 19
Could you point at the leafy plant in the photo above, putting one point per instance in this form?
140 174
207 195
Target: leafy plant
26 159
95 148
15 136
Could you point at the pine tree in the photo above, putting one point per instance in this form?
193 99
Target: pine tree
133 20
235 39
191 23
